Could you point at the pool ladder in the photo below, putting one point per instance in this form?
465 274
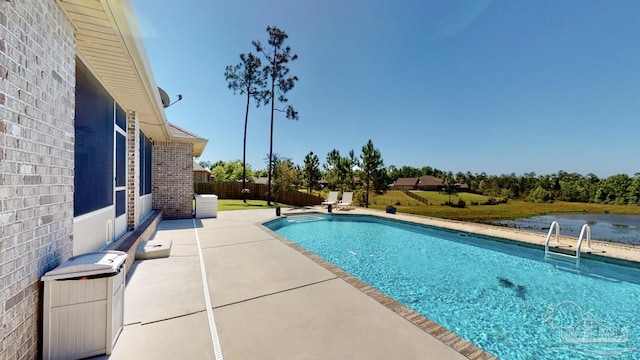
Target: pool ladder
585 231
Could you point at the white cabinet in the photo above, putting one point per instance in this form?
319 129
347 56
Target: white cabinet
84 305
206 206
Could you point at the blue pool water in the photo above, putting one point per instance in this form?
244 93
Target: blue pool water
503 297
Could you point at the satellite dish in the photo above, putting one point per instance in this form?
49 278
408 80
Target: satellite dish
164 97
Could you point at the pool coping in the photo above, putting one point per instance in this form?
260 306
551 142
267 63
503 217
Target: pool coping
606 251
516 237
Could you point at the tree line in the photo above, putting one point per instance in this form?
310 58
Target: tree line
561 186
352 173
364 173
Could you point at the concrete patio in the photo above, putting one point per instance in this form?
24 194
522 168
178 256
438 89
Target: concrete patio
269 302
272 300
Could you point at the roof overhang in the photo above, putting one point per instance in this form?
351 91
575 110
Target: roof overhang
179 134
109 43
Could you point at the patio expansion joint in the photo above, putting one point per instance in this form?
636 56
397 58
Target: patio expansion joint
276 292
141 323
236 244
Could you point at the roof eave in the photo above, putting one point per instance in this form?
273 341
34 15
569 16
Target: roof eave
108 41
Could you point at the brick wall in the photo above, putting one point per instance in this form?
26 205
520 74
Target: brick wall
37 81
133 171
173 179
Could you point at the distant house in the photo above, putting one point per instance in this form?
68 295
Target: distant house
261 180
429 183
425 183
404 184
201 174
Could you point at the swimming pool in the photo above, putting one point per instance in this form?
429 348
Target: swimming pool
502 296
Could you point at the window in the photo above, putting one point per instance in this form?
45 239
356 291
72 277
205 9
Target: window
121 202
121 118
145 164
121 160
94 128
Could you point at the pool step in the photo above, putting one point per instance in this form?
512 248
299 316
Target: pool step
304 218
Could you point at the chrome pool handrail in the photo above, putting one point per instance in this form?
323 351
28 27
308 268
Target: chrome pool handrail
586 230
555 225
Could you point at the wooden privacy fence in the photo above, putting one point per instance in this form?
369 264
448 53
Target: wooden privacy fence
232 190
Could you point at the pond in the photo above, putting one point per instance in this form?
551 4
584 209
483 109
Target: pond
624 229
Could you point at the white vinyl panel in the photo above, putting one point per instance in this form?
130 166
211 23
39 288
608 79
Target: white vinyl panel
78 291
78 330
146 202
117 280
60 293
67 325
118 314
98 289
53 337
99 331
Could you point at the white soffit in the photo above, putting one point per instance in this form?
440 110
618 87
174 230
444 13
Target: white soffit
109 43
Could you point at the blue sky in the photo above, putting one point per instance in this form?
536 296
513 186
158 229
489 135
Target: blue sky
483 86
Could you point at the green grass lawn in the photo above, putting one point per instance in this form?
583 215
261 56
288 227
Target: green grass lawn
228 204
437 198
477 213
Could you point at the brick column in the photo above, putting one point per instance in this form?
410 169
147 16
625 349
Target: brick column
173 179
133 170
